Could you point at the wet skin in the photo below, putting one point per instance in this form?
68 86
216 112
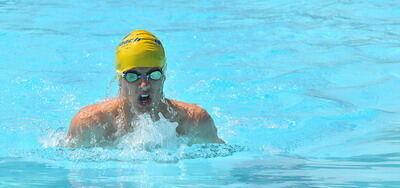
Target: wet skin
101 123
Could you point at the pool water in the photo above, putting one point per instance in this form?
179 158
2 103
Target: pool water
305 93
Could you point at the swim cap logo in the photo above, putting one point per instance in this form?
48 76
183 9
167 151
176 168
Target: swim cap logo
158 41
137 40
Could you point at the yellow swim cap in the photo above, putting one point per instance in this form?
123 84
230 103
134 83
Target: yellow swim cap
139 48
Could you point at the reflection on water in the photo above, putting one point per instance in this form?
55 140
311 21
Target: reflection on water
294 171
272 170
16 172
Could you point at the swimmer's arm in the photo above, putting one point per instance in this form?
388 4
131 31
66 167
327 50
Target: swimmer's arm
206 130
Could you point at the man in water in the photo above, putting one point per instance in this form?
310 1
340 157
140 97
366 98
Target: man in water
140 66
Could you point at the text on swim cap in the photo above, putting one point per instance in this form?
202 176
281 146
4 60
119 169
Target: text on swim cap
136 40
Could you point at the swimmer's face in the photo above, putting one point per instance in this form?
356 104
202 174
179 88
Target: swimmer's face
145 93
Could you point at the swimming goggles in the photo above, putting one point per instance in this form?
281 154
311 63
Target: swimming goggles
132 76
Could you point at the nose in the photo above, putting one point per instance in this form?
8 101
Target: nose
144 83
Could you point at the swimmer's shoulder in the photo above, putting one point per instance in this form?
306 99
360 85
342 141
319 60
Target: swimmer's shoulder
94 115
190 110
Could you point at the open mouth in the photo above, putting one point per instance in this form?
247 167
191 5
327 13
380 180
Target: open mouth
144 99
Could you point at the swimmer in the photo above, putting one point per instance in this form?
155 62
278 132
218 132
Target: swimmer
140 66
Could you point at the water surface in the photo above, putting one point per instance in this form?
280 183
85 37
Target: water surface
305 93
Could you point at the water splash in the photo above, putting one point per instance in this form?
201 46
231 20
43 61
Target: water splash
149 141
149 135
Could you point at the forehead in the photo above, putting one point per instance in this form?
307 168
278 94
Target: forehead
143 69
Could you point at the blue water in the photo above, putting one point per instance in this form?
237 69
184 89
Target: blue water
305 93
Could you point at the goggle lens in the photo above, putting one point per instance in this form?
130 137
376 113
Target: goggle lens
131 77
156 75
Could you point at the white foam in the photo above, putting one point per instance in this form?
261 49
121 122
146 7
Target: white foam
54 138
149 135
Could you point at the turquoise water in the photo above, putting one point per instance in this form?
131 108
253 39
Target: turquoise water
305 93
